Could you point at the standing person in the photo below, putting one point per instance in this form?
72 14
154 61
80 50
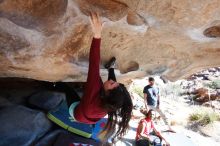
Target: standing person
152 99
100 99
147 134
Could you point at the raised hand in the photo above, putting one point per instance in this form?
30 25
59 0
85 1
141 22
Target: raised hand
96 24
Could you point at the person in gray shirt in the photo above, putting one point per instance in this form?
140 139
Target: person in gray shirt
152 100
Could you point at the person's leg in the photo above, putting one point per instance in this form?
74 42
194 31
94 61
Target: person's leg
71 94
110 66
165 119
111 74
162 115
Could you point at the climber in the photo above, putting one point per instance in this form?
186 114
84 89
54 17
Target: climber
100 99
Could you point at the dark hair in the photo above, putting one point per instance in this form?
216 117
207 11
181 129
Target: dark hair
151 79
150 111
119 105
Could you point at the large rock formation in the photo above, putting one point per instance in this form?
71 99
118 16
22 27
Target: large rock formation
50 39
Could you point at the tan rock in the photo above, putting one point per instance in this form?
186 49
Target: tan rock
50 40
135 19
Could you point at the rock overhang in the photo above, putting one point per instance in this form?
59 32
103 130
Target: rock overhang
50 40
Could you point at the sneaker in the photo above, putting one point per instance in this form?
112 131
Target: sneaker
111 63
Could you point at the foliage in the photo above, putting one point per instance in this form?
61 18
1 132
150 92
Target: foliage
138 90
204 116
172 89
195 117
214 84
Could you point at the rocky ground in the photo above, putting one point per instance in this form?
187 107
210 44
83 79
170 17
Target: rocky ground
178 113
179 107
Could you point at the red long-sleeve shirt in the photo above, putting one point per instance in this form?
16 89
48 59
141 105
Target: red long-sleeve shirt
89 109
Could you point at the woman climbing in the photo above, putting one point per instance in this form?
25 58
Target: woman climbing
100 99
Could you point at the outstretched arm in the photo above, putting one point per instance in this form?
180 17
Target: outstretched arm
94 56
159 135
82 113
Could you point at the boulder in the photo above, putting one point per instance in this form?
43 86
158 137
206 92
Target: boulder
50 40
202 95
22 126
46 100
4 102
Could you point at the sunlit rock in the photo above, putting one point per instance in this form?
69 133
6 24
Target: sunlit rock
50 40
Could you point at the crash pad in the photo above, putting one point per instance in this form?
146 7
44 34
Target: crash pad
61 117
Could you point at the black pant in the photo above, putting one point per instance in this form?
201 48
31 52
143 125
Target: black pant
71 94
111 74
142 142
156 141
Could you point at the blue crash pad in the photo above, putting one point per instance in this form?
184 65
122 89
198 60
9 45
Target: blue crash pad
61 117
